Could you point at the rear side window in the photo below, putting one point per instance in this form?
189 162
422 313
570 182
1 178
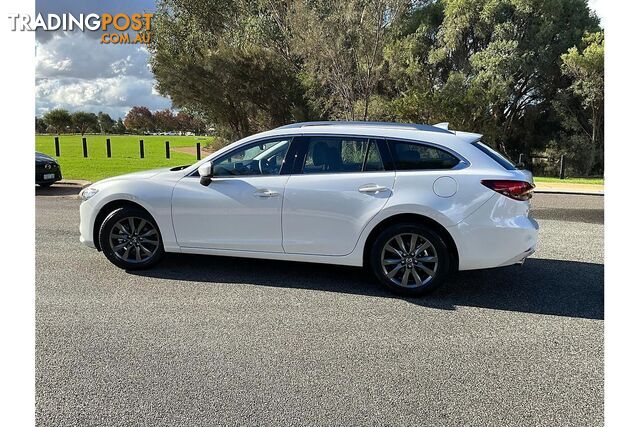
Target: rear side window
502 160
340 155
411 156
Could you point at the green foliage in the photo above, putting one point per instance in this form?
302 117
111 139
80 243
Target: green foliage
227 61
41 126
105 122
585 66
57 119
119 127
493 67
83 121
341 48
504 68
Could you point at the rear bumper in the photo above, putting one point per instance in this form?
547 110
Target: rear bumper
498 234
520 258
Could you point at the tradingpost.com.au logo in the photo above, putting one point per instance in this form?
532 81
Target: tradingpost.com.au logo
117 28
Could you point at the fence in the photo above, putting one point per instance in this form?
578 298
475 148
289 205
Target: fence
557 166
85 150
548 166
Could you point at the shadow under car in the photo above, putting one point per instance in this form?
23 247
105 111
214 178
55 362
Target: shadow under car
542 286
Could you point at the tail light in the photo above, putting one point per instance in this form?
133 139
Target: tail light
517 190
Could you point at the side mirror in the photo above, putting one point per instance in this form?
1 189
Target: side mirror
205 173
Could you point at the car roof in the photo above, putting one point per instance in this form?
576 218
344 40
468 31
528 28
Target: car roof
412 131
363 124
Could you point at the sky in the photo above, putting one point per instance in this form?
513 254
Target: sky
76 72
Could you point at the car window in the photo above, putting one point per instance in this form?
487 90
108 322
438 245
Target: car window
335 154
374 160
260 158
499 158
413 156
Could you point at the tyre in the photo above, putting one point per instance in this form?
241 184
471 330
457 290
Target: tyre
409 259
130 239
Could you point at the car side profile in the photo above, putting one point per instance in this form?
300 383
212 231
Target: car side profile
410 203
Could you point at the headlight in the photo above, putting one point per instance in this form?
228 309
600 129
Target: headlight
88 193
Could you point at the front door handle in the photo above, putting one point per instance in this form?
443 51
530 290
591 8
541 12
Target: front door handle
265 193
372 188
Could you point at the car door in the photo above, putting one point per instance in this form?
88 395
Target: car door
339 184
242 206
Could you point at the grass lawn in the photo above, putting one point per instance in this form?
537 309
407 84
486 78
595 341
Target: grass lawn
125 152
598 181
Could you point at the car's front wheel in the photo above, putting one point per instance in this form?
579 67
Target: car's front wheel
409 259
130 239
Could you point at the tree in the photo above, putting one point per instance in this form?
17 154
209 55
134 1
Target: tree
183 121
165 121
119 127
492 66
229 61
586 68
105 122
139 119
189 123
341 45
41 126
83 121
58 119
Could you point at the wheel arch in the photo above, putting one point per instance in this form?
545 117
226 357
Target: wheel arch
413 218
107 209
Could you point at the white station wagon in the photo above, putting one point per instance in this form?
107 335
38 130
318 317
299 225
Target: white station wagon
408 202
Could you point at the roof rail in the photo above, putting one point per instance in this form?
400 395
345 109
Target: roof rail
389 125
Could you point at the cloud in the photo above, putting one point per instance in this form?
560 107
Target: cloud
76 72
76 55
115 95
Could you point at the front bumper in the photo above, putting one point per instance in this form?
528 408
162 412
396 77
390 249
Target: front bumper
87 218
40 177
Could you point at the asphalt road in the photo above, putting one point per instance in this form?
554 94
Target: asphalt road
225 341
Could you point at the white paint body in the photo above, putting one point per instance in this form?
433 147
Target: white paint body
325 218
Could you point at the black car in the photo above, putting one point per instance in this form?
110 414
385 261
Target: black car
47 170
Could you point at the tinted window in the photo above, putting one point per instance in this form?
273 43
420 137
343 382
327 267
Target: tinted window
411 156
374 160
340 154
260 158
502 160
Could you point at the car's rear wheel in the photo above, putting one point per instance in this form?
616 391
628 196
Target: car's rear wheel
410 259
130 239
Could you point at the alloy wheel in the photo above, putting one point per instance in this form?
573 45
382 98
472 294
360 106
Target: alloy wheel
134 239
409 260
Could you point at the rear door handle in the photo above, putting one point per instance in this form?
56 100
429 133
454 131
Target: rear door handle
372 188
265 193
